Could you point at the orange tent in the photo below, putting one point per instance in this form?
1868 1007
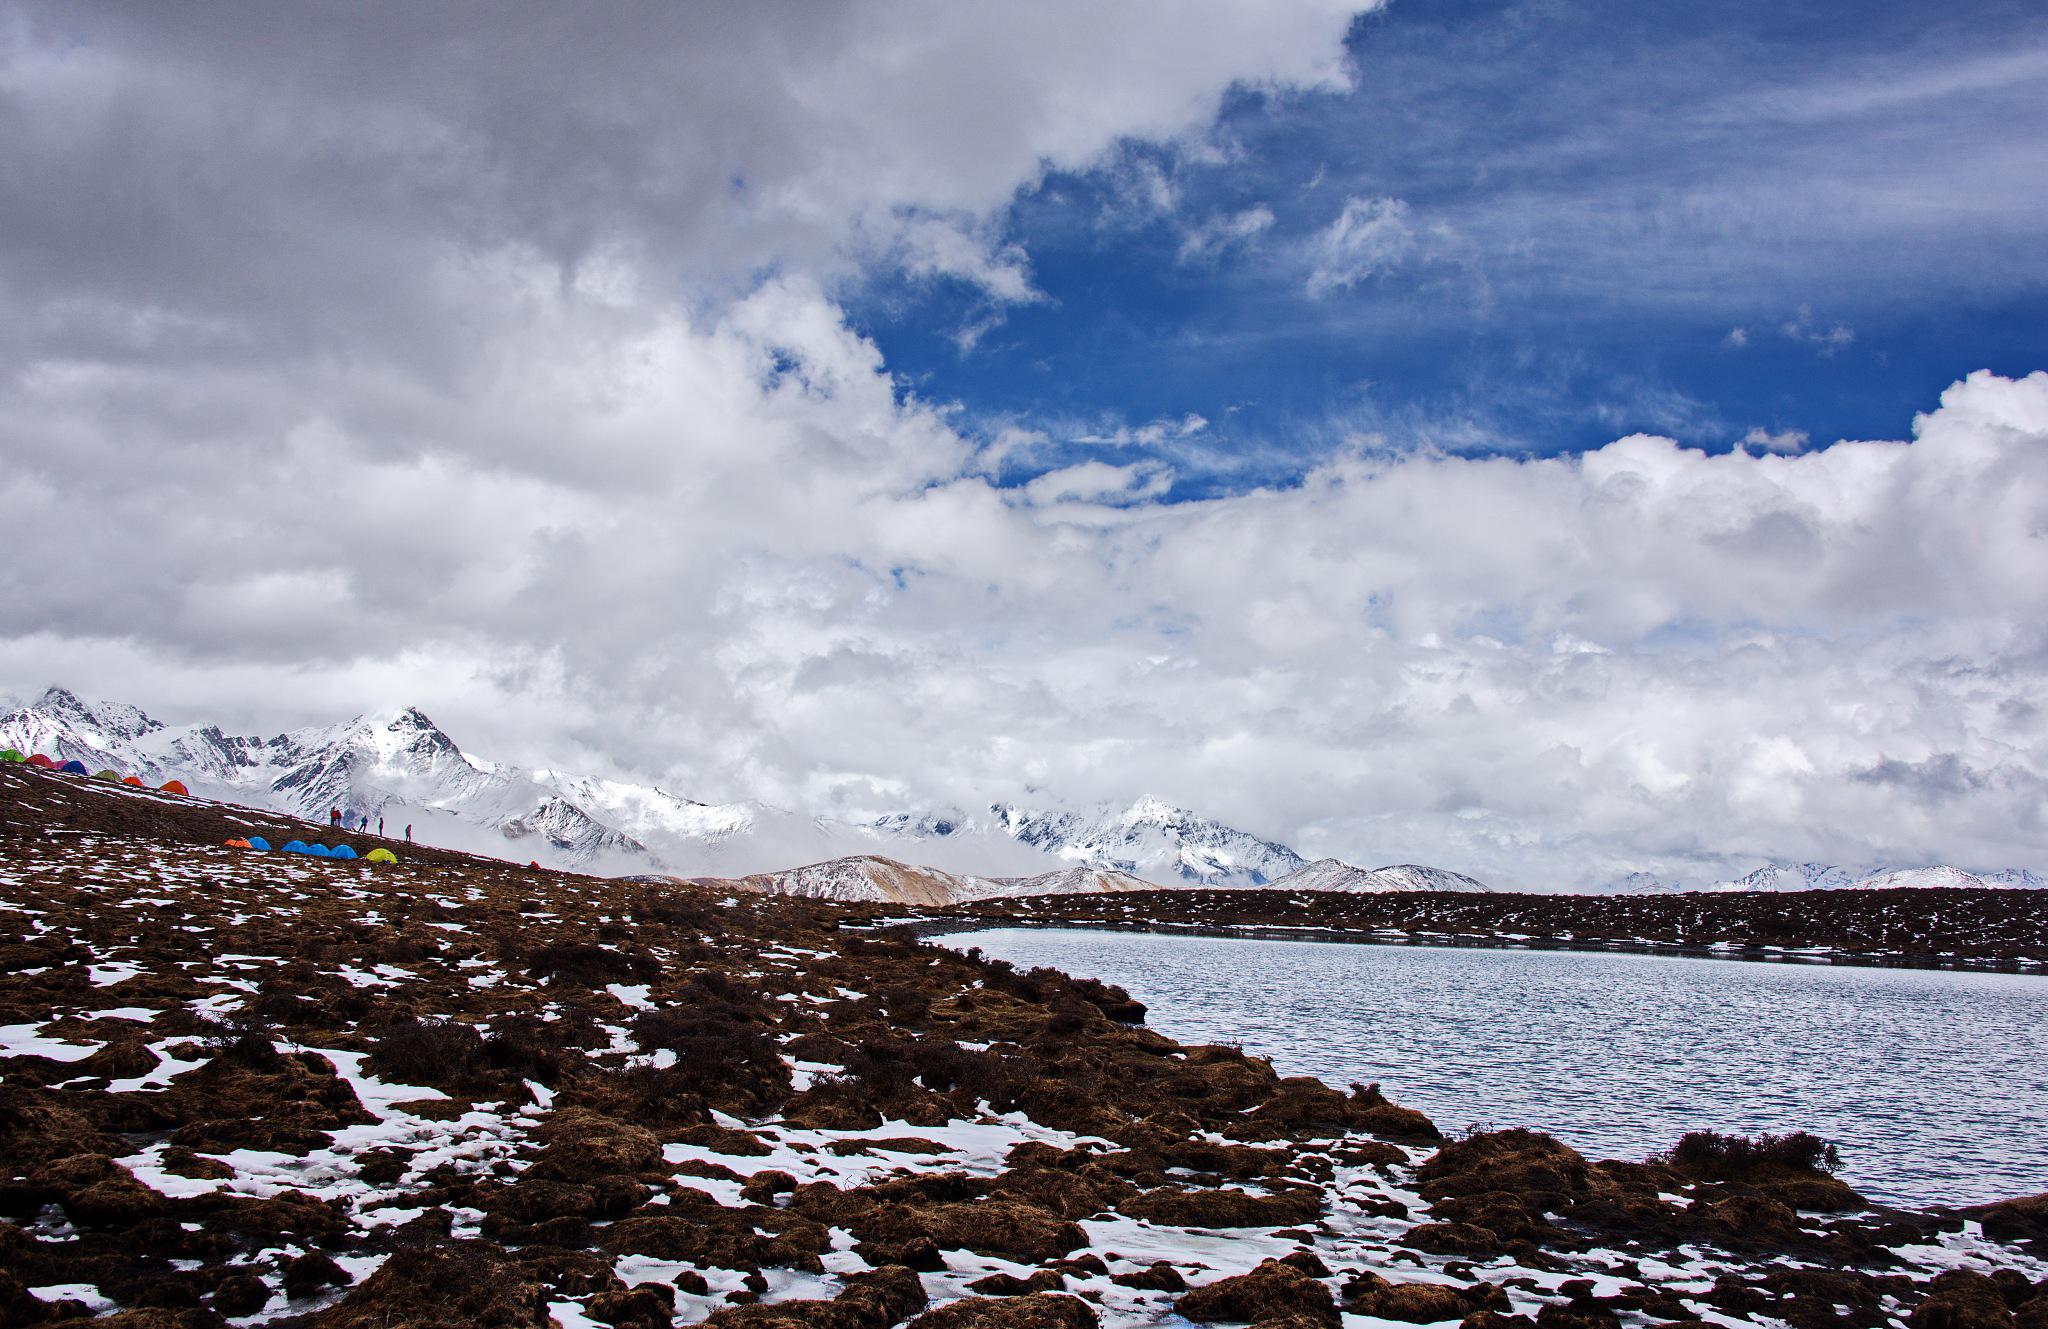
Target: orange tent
239 843
129 779
173 787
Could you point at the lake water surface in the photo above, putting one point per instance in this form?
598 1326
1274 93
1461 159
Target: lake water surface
1934 1084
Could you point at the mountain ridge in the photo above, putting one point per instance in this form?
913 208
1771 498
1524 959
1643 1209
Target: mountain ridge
401 769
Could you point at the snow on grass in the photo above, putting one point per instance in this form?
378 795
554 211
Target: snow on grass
633 995
26 1040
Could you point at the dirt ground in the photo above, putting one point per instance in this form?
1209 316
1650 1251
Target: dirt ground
241 1088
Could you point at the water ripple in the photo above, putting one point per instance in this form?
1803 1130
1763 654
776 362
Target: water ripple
1933 1084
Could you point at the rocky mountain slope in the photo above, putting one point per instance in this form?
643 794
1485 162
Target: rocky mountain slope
405 770
1149 838
870 877
1334 874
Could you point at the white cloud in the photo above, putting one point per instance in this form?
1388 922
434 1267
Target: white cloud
1222 232
454 404
1152 433
1827 341
1784 440
1737 337
1371 235
1100 482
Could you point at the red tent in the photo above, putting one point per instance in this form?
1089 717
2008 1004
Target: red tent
41 762
173 787
129 779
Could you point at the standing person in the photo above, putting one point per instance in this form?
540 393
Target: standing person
333 818
380 828
408 832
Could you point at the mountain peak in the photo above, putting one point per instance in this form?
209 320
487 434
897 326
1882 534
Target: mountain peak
60 700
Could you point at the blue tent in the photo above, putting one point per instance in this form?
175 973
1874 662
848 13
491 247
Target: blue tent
74 768
296 847
258 842
341 851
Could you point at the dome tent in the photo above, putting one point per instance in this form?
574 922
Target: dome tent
237 843
132 782
380 856
42 763
341 851
74 767
259 844
12 755
108 774
174 787
297 847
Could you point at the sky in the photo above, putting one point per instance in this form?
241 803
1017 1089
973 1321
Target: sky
1541 440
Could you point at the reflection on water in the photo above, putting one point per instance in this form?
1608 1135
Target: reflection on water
1934 1084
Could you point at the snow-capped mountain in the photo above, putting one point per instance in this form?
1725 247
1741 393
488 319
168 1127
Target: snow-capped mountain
873 877
1790 877
1637 883
1334 874
403 770
1827 877
1149 838
1938 877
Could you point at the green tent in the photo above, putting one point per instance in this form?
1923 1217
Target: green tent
11 755
106 775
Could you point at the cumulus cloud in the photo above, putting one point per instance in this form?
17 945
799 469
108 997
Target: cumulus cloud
1784 440
341 376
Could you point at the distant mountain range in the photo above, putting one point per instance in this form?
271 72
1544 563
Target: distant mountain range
872 877
1827 877
403 769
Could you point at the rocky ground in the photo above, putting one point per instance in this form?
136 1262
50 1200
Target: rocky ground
240 1088
1921 927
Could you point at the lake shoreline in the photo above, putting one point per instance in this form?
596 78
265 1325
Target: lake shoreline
931 928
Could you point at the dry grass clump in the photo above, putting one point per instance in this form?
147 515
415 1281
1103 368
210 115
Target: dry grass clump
1710 1154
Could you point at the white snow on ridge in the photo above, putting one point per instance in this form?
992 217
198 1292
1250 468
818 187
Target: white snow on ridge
1149 838
1827 877
403 769
872 877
